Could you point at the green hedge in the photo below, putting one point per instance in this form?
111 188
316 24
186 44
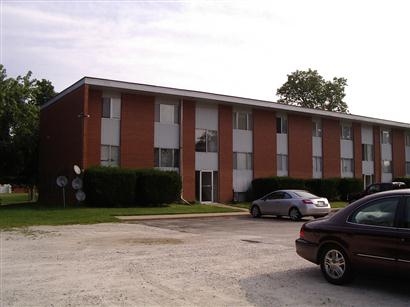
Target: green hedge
113 186
332 188
109 186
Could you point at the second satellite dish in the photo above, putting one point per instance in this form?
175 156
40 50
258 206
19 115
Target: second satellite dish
77 183
62 181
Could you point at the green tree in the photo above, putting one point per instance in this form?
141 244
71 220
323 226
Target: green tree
20 100
310 90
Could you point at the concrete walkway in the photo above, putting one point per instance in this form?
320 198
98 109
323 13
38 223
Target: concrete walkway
130 218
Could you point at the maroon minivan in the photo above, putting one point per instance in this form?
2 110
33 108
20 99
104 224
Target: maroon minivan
373 232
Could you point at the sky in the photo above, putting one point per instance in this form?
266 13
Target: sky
238 48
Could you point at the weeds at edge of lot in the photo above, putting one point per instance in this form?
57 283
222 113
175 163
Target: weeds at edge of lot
32 214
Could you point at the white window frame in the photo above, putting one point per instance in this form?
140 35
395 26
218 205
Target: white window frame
160 109
110 161
282 162
114 105
207 134
368 150
408 168
407 138
248 160
175 158
282 126
385 136
346 132
248 115
346 164
316 127
387 166
317 164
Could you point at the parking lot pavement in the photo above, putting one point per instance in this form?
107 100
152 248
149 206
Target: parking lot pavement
221 261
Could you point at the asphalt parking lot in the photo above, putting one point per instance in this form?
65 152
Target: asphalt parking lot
218 261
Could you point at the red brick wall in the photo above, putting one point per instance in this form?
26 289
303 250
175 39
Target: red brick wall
399 153
357 148
264 143
331 148
137 131
225 190
60 145
93 129
188 151
377 154
300 146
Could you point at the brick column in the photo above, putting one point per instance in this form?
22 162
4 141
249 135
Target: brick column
357 148
137 131
188 150
93 152
399 153
377 155
225 132
331 148
264 143
300 146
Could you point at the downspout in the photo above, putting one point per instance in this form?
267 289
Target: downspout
181 148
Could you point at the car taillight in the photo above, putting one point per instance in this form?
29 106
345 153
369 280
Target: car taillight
307 201
302 233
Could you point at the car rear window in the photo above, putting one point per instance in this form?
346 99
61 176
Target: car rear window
305 194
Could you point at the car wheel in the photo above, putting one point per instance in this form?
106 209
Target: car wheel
255 211
335 265
294 214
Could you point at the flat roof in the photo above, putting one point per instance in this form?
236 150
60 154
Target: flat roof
211 97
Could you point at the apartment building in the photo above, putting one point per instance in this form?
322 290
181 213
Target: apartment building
217 143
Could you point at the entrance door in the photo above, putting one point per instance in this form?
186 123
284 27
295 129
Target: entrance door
206 184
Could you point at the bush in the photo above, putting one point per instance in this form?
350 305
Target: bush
109 186
349 186
113 186
263 186
157 187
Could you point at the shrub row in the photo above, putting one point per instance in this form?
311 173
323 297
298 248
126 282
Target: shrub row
333 188
113 186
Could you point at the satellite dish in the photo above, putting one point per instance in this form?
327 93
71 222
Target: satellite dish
80 195
77 183
62 181
77 169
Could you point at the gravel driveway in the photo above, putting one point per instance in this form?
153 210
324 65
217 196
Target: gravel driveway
229 261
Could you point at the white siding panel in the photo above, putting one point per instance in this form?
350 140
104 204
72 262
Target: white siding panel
347 175
206 161
242 141
166 136
317 146
367 167
346 149
110 131
242 180
407 153
386 152
282 144
387 177
367 135
206 117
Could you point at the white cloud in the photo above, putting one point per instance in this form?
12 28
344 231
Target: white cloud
242 48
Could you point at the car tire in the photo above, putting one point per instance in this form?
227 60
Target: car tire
294 214
255 211
335 265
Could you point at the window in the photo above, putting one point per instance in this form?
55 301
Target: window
317 164
407 138
111 107
380 212
206 140
242 120
317 128
406 219
347 165
281 124
367 152
408 169
386 166
242 160
385 136
164 157
282 162
110 155
346 132
167 113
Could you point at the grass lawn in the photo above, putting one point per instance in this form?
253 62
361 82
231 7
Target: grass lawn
13 198
30 214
